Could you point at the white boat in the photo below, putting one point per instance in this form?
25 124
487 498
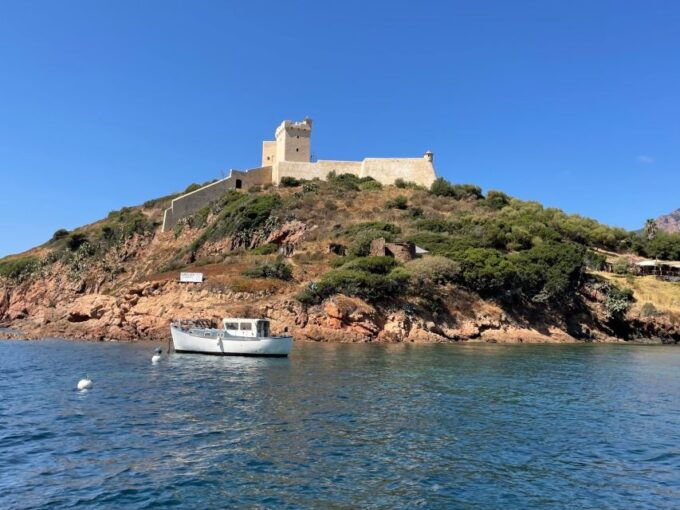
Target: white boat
238 337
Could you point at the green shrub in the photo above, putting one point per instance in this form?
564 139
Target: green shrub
18 268
278 269
350 182
126 222
617 301
310 187
622 266
75 240
370 184
496 200
594 260
467 191
443 244
435 225
487 271
200 218
154 202
59 234
402 184
289 182
415 212
368 286
649 310
265 249
433 270
398 202
441 187
664 246
383 226
192 187
241 214
256 188
341 261
178 228
549 272
375 265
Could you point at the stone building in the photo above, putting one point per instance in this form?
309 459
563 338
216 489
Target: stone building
289 155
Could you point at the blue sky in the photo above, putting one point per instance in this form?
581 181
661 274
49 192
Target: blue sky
104 104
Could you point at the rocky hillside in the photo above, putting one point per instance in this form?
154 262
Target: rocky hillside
304 255
669 222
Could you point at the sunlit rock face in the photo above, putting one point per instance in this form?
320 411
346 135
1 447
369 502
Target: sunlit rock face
669 222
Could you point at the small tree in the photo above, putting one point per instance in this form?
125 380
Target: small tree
75 241
651 229
59 234
398 202
289 182
277 269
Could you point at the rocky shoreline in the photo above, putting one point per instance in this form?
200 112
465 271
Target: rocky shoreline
118 279
143 312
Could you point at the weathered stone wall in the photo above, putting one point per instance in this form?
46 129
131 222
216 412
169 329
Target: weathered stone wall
188 204
387 170
403 252
383 170
268 153
320 169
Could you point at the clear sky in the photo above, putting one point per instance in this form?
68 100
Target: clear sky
104 104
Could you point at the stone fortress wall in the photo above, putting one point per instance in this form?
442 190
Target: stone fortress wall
290 156
188 204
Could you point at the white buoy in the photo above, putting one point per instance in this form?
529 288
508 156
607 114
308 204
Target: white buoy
84 384
155 358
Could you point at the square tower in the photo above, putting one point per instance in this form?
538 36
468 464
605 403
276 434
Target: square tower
293 141
268 153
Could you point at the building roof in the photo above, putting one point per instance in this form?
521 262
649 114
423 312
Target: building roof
656 263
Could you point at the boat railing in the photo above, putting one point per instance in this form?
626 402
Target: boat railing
187 324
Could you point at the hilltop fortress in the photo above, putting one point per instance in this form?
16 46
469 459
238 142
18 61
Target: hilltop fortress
290 156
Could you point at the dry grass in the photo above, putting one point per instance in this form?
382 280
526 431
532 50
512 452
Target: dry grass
665 296
253 285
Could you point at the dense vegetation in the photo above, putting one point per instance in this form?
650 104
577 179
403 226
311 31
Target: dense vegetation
500 247
277 269
512 251
18 268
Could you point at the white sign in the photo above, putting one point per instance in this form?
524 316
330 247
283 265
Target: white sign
191 277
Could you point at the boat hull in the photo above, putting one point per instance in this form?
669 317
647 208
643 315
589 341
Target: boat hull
186 342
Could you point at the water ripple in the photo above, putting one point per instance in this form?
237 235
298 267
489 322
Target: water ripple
341 426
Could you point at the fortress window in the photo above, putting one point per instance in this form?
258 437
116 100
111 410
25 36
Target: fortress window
297 150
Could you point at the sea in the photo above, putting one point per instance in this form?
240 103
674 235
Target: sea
341 426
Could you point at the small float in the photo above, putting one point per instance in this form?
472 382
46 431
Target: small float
237 337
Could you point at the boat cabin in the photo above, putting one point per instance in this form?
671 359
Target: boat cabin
246 327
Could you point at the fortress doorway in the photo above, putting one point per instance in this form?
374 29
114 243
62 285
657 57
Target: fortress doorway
238 184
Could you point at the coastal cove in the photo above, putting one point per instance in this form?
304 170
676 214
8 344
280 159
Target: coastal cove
438 426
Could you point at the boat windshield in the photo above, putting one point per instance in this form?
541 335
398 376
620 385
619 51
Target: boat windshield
263 328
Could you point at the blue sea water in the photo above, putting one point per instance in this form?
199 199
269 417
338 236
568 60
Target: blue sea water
341 426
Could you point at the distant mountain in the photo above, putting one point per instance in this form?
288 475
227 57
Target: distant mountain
669 222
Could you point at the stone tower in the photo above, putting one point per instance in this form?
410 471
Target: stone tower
293 141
